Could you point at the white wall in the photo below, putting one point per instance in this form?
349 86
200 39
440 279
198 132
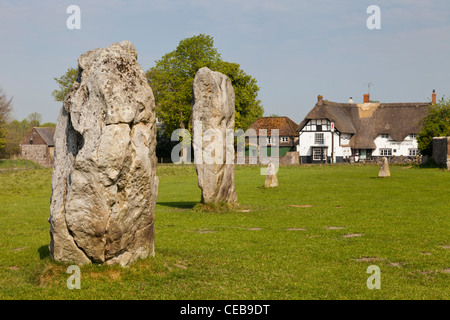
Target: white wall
398 148
307 139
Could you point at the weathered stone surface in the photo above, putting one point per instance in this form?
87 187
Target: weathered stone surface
271 177
213 118
104 183
384 168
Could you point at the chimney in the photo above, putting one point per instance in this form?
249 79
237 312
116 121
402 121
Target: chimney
319 98
366 98
433 97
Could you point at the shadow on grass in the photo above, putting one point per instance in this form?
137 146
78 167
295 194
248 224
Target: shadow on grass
44 252
178 204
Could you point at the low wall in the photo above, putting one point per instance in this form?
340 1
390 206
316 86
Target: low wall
441 151
38 153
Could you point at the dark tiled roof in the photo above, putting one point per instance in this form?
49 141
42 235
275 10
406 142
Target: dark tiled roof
368 121
47 135
285 126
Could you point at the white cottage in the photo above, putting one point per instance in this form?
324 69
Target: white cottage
340 132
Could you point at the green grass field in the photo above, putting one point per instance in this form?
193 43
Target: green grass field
313 237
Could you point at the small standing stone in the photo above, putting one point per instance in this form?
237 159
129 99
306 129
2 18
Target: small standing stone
271 177
384 168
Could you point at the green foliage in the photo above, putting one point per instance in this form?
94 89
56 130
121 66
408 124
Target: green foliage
435 124
48 125
17 130
5 112
172 77
65 82
247 106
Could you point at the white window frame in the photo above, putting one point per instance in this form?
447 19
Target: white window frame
385 136
317 152
284 139
413 136
319 138
413 152
270 140
386 152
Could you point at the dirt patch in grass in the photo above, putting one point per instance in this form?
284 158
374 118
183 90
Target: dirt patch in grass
396 264
300 205
296 229
254 229
352 235
49 275
334 228
19 249
367 259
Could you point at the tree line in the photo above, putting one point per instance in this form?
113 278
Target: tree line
13 131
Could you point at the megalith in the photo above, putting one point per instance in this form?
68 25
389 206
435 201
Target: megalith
384 168
271 176
104 183
213 120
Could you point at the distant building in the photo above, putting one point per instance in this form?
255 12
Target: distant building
38 146
287 134
338 132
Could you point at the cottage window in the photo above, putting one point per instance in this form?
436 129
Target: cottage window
319 138
317 154
386 152
284 139
385 136
413 152
413 136
269 140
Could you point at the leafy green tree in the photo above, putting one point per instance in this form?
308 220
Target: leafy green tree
34 119
435 124
48 125
247 106
5 112
65 82
172 77
17 130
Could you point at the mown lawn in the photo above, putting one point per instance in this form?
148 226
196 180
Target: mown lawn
313 237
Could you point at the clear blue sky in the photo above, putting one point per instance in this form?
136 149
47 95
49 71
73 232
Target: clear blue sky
295 49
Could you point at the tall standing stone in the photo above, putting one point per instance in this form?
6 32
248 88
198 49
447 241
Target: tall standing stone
384 168
104 183
213 119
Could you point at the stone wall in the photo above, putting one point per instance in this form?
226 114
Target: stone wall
290 158
38 153
441 151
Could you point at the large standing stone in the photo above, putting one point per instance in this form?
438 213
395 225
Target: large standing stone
213 118
384 168
104 183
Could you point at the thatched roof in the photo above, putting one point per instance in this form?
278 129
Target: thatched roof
285 126
366 121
